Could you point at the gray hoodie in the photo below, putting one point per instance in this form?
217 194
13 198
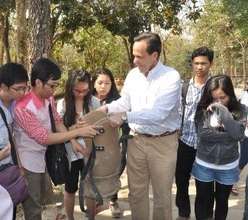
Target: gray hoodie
219 145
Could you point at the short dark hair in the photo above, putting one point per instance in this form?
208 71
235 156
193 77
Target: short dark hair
44 69
153 42
12 73
203 51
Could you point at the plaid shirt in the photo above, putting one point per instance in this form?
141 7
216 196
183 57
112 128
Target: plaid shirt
189 135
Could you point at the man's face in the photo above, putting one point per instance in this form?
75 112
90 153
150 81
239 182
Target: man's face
201 66
142 59
17 90
48 88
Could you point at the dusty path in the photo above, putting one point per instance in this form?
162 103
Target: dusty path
236 204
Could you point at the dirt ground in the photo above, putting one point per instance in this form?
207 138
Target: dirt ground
236 203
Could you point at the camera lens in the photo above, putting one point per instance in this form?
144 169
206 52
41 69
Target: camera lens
100 130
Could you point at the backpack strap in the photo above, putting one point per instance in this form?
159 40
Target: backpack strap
88 170
185 88
53 127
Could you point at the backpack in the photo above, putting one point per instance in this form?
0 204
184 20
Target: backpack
56 158
185 87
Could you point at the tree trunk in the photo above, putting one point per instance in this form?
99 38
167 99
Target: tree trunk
6 38
131 41
128 51
244 64
1 39
39 27
21 23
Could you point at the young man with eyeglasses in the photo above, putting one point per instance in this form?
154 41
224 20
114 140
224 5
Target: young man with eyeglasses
13 84
33 132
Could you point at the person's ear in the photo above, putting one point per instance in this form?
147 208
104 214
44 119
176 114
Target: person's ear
155 55
4 87
211 64
38 83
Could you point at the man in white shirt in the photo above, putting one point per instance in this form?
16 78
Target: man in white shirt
149 103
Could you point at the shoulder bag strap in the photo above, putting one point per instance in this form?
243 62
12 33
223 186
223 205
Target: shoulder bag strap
185 88
13 151
52 118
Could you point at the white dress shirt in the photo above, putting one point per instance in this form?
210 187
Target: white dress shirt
152 102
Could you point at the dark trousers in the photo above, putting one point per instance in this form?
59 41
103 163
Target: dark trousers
245 217
206 193
114 198
185 159
243 160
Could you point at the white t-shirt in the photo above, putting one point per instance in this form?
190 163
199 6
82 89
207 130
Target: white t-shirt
244 101
72 156
244 98
6 205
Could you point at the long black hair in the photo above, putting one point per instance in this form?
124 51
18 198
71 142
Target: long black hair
70 109
223 82
113 93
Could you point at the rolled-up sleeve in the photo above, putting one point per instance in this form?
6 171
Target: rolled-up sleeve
26 120
123 104
56 115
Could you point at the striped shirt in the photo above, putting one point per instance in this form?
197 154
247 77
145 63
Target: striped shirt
31 129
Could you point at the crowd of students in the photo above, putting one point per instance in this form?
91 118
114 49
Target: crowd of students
210 118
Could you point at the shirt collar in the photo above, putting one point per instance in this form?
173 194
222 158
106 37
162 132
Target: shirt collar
192 81
1 104
10 108
154 70
38 102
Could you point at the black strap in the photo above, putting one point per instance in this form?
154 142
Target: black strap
53 127
88 165
13 152
99 199
124 141
185 88
88 170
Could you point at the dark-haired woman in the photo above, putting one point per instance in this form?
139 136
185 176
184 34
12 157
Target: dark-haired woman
105 91
220 122
77 102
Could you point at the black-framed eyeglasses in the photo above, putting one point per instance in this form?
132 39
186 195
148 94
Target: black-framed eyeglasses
20 89
52 85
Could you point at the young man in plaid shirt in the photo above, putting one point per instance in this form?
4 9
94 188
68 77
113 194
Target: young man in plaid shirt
201 59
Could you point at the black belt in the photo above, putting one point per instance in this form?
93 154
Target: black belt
158 135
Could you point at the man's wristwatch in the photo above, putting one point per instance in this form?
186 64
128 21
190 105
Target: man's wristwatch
124 117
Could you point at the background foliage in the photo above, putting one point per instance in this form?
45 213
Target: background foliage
92 34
